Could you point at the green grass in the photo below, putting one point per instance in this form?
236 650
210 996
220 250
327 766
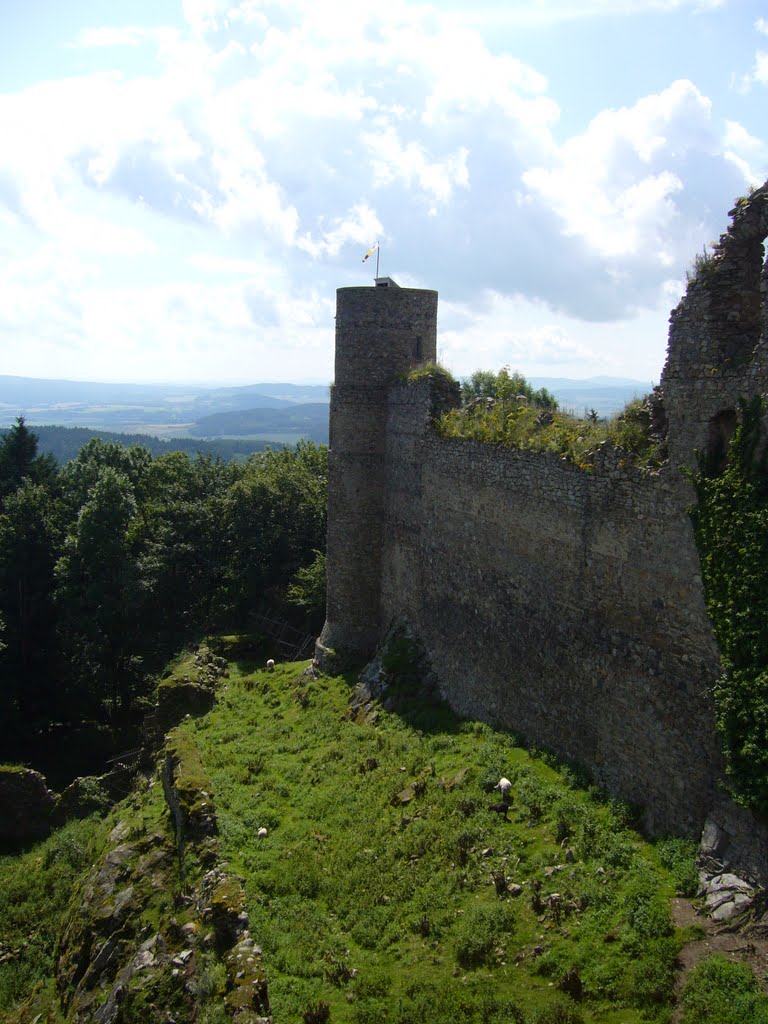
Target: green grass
35 889
375 890
574 438
380 888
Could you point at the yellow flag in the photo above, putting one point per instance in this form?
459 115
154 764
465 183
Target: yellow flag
373 249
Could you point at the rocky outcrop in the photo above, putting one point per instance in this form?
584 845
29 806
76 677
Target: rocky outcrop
28 809
193 692
110 955
157 910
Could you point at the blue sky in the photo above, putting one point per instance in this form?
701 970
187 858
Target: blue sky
183 185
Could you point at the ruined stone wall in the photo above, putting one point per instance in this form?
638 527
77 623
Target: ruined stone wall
718 338
564 605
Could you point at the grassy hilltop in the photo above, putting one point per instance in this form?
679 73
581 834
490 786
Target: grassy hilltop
385 891
386 888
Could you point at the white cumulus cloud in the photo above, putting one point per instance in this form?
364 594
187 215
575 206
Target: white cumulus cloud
274 140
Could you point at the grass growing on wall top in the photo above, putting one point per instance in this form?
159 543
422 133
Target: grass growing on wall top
382 888
430 370
730 523
527 427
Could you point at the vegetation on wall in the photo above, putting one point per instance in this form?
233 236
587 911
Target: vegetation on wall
503 409
431 370
505 385
730 524
703 264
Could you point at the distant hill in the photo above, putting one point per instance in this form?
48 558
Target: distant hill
140 408
276 412
309 420
65 442
606 395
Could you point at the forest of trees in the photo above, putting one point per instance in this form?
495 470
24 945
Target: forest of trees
65 442
109 565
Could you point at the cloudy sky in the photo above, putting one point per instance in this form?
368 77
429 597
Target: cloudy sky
185 183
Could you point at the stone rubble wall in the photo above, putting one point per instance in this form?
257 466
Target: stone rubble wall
718 336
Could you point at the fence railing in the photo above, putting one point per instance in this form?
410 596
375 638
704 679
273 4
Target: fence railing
292 644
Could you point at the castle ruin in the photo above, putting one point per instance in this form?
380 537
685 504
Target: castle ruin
564 605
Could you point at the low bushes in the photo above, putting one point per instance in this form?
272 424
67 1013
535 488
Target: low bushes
719 991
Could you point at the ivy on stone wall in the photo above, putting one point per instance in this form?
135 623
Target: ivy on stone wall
731 528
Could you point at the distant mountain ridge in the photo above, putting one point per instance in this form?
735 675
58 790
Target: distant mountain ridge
65 442
275 412
310 419
162 409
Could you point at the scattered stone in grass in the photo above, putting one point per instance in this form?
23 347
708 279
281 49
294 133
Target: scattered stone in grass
452 781
262 832
555 906
537 904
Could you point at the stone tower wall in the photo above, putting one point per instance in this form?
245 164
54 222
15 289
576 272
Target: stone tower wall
381 333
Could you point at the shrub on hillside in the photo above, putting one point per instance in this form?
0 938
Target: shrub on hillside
482 929
725 992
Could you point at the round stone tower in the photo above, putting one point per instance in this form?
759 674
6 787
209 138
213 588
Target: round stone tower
381 332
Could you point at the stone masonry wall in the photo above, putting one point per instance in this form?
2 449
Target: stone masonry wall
380 334
564 605
718 337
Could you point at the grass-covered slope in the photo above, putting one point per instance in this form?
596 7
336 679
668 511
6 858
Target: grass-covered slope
355 860
386 890
35 891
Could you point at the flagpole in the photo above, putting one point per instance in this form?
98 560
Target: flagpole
378 250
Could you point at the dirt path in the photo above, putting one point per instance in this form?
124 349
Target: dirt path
717 938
